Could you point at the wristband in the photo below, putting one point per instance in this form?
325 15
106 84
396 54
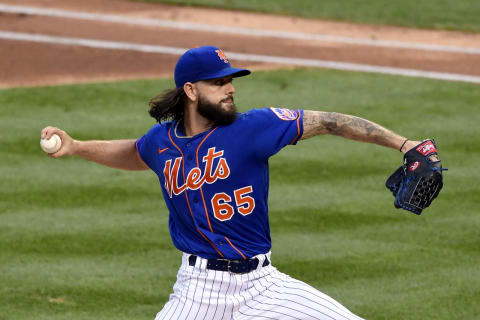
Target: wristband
403 145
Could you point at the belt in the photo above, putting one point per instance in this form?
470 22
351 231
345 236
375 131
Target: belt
233 266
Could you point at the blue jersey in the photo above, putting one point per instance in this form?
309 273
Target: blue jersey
215 184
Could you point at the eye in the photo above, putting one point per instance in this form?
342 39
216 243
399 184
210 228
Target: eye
222 82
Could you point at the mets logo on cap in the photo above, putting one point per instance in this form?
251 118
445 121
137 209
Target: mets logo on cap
285 114
222 55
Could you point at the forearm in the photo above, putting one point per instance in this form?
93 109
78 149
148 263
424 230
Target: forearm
120 154
351 127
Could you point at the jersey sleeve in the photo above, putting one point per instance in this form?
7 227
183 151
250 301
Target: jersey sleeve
274 128
146 148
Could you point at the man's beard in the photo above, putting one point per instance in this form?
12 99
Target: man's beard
215 113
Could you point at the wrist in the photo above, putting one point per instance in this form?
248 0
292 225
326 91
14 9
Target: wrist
403 144
409 145
76 147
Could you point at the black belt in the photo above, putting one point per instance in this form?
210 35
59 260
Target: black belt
233 266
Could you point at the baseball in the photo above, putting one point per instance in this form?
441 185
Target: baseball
51 145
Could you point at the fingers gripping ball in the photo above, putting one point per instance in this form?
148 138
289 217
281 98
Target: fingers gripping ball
51 145
419 181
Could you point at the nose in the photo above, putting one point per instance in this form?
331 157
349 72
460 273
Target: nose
230 88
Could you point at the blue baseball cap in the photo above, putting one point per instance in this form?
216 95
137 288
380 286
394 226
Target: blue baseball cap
204 63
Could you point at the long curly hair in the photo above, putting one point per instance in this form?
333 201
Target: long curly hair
168 105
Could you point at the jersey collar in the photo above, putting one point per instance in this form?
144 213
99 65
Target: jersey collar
179 135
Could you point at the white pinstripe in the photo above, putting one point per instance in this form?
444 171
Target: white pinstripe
265 293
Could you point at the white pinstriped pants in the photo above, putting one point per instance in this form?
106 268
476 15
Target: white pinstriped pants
264 293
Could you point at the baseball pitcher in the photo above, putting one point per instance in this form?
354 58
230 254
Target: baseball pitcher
212 165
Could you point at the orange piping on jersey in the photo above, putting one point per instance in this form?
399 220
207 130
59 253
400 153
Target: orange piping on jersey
186 196
243 256
203 198
298 127
201 192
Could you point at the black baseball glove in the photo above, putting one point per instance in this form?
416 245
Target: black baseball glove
415 184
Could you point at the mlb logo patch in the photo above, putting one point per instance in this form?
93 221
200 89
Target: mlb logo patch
285 114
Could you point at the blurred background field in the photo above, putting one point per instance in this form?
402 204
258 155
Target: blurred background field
432 14
80 241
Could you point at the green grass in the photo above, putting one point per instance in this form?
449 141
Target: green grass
432 14
80 241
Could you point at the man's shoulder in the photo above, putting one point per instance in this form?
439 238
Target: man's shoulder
160 128
270 112
247 118
252 114
158 131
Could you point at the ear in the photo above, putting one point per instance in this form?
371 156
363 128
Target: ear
190 91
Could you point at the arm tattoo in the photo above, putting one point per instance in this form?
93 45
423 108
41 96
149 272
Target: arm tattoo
347 126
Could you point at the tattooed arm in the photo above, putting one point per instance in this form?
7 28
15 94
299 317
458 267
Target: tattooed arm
351 127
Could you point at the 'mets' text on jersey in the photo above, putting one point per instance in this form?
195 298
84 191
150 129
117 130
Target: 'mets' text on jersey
215 184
